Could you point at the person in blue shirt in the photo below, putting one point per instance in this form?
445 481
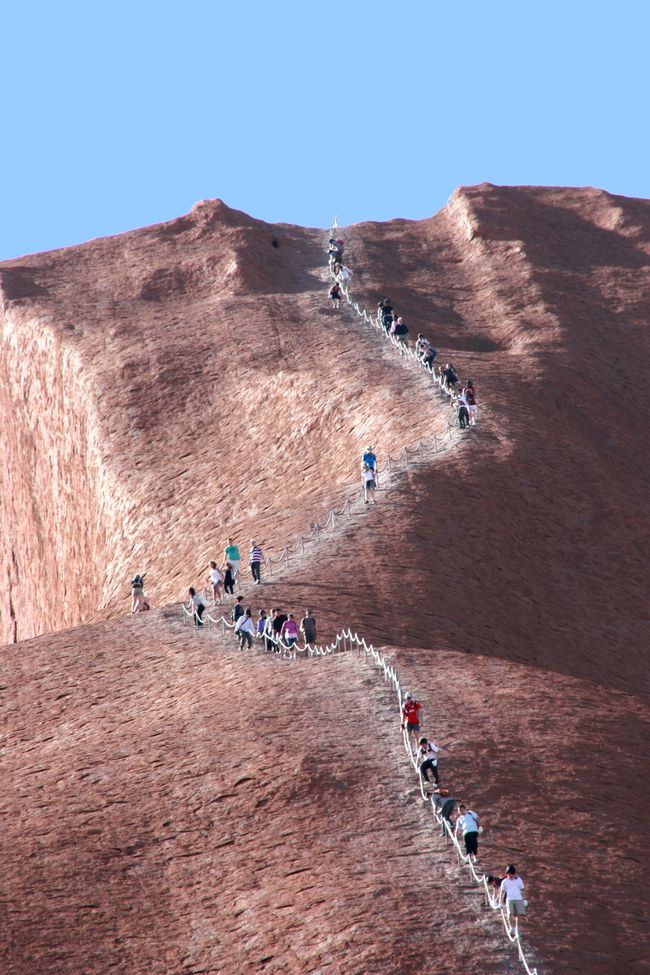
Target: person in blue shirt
369 460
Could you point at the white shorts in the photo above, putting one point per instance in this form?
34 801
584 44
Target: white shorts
235 566
474 409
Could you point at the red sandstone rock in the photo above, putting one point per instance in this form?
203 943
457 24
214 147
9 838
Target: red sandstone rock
514 564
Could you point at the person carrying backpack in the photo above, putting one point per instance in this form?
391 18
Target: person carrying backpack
137 593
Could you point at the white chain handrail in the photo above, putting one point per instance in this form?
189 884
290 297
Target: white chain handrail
435 442
347 641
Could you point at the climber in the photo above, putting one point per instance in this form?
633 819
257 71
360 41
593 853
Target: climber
198 606
308 627
245 629
369 484
427 758
450 376
215 578
472 403
289 631
231 554
411 716
512 888
399 329
344 277
228 579
387 314
255 558
462 411
370 458
137 593
468 822
335 294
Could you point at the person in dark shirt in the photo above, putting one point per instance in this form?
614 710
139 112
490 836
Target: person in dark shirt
238 609
278 622
450 376
308 627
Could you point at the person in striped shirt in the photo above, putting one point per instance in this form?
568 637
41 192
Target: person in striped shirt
255 559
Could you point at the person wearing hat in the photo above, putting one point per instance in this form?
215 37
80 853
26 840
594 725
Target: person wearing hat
427 758
411 716
511 892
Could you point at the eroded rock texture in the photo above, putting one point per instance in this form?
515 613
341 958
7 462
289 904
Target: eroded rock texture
192 383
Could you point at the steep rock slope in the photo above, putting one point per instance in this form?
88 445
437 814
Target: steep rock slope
166 388
512 563
173 805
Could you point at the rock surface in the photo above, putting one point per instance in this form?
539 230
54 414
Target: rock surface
166 388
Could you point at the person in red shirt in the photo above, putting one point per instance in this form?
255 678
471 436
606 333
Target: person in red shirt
411 717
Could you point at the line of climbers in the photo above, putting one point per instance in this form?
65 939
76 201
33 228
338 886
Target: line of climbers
278 632
462 398
509 885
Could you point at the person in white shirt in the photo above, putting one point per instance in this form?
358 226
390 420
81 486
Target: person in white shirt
245 629
344 278
468 822
462 410
427 759
369 484
512 892
197 605
216 581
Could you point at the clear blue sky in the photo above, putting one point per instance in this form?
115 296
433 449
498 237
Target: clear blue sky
124 114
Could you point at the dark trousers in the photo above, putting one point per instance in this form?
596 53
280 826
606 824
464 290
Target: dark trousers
471 843
428 766
245 638
255 571
463 417
229 587
198 615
